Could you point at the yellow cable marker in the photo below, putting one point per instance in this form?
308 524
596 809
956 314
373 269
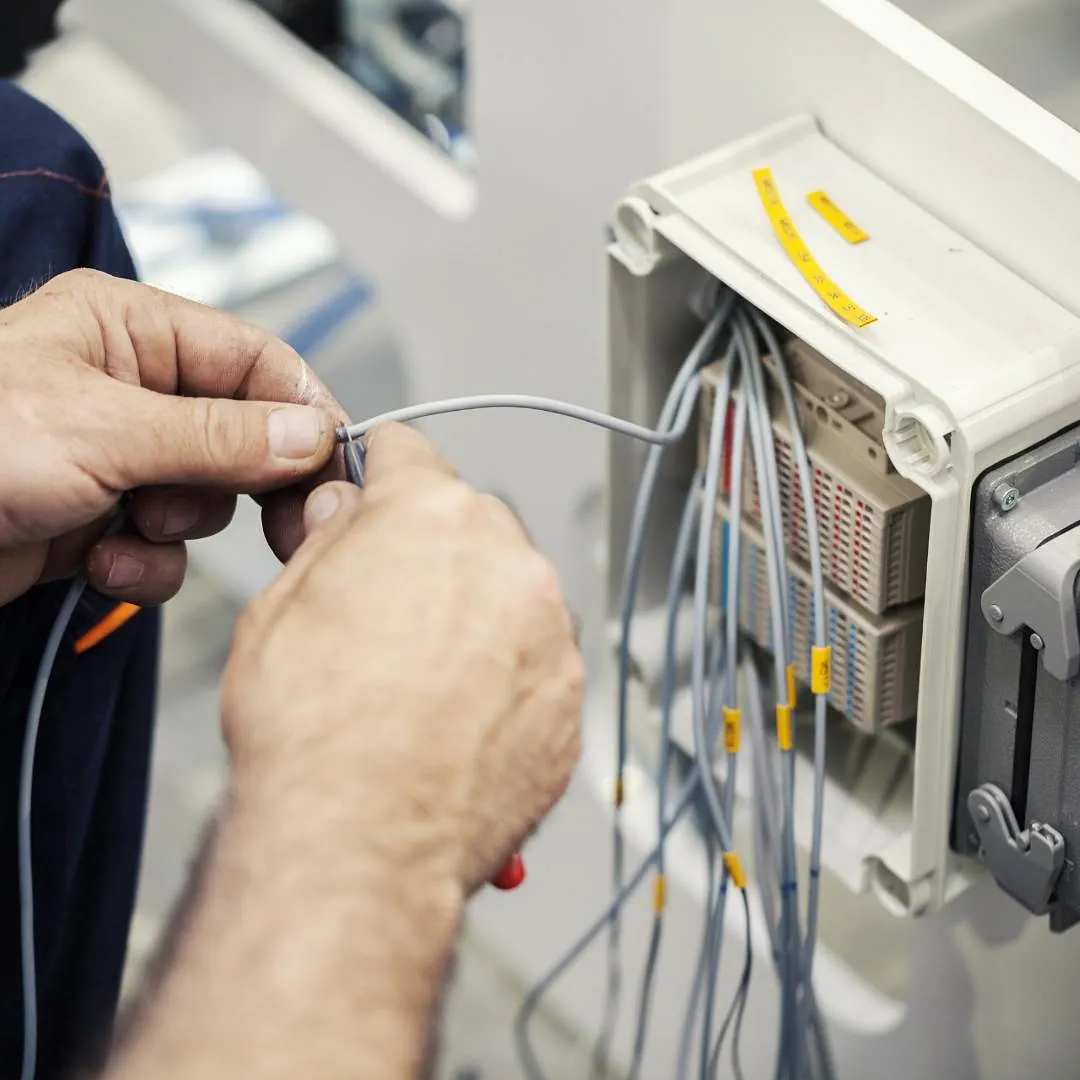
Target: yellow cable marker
659 894
735 870
618 792
833 296
732 730
821 669
784 737
836 217
792 692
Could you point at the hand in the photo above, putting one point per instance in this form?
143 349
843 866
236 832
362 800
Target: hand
414 671
108 387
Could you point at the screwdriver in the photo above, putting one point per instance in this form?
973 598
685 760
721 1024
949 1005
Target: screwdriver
513 873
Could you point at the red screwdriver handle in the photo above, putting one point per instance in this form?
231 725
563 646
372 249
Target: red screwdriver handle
511 875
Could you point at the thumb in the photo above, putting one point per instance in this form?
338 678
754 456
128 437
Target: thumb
248 446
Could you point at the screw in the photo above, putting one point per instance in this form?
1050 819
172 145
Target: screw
1037 643
1006 497
996 614
984 813
839 398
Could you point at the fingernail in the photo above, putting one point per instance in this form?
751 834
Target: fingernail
181 515
125 572
322 504
294 431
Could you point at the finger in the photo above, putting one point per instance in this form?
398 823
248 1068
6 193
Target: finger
337 500
162 514
130 568
328 512
395 448
181 347
233 445
283 511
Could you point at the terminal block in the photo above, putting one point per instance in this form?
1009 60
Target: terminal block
875 658
874 525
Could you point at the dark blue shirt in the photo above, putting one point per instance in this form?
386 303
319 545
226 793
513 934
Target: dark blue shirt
94 746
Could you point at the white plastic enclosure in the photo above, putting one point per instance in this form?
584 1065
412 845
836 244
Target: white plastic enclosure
973 363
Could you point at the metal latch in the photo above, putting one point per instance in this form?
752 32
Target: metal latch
1038 592
1025 863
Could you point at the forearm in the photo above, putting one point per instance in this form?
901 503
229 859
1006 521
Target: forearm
305 953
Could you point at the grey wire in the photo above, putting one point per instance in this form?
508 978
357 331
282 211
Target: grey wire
532 999
680 565
701 600
763 443
820 703
693 1002
718 812
677 409
817 580
738 1004
531 402
26 799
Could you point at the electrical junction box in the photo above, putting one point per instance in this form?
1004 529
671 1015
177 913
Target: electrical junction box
966 368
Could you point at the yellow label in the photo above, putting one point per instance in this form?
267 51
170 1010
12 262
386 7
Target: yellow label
618 791
834 297
792 693
836 217
783 727
659 894
732 730
821 669
735 870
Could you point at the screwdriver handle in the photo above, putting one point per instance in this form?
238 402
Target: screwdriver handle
513 873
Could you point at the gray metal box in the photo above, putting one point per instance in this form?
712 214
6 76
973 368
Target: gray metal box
1020 719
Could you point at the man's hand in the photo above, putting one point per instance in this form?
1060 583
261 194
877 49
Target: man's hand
108 387
402 707
419 650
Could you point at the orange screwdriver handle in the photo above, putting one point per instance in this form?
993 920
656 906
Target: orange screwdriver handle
511 875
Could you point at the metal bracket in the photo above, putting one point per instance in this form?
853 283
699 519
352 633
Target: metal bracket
1038 592
1025 863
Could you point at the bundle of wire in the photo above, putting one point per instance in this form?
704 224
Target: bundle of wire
717 660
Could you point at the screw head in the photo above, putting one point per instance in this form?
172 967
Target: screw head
1006 497
983 813
839 398
1037 643
996 614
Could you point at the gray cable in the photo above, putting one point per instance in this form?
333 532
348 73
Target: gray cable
532 999
531 402
676 410
693 1001
761 436
680 565
26 800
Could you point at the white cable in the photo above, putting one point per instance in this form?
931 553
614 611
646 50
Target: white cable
26 800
